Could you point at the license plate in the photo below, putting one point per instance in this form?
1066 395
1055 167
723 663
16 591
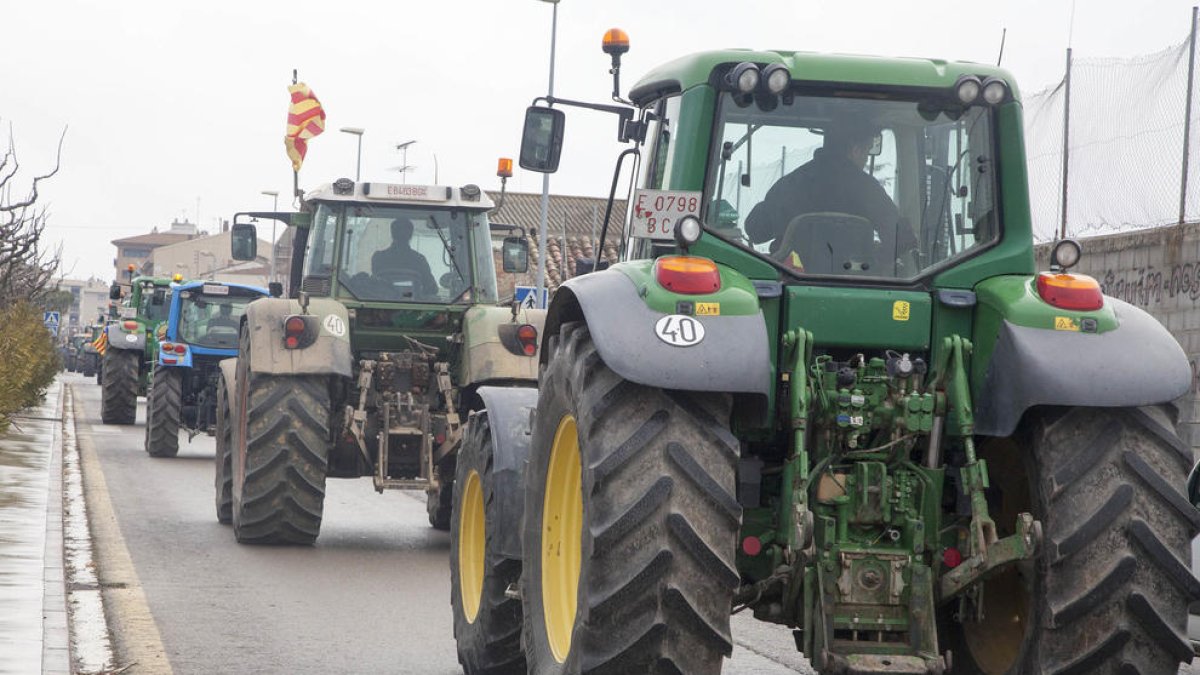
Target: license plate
655 212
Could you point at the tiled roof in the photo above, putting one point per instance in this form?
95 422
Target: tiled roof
579 214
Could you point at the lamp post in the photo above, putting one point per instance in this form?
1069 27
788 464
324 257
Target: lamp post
545 215
404 167
356 131
274 207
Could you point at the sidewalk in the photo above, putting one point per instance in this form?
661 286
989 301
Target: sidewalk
33 623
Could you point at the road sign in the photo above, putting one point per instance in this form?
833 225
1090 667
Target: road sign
50 318
527 297
53 328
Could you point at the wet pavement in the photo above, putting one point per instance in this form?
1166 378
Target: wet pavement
33 626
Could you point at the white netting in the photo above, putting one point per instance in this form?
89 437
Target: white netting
1126 149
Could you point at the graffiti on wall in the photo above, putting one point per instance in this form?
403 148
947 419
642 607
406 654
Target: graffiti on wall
1146 286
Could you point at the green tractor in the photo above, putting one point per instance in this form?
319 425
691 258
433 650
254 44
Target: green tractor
132 345
390 338
826 385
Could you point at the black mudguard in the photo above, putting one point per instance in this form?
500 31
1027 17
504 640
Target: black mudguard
733 357
1139 363
508 414
119 339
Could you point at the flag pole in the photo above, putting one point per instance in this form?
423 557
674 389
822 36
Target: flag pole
295 172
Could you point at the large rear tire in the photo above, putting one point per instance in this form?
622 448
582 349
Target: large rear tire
224 456
487 623
438 505
630 522
1109 591
118 402
281 455
164 405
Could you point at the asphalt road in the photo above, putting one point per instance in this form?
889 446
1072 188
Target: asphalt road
371 597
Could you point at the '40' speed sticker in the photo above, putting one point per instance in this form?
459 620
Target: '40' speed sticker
678 330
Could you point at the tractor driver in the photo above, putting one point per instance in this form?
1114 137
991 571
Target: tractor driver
832 182
400 257
224 318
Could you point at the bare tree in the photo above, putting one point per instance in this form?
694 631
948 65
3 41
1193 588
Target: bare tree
26 265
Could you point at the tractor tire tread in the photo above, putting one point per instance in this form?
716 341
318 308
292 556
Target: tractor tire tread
118 403
164 407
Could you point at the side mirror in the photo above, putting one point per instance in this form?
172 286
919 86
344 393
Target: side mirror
243 241
514 255
1193 486
876 146
114 292
541 142
275 289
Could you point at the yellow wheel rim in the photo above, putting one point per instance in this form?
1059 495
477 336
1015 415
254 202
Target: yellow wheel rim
471 547
562 528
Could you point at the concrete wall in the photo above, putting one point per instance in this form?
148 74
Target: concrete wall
1159 271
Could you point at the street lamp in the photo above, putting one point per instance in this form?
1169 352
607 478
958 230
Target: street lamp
545 215
357 131
274 207
404 167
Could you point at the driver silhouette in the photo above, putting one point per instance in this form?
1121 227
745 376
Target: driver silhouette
400 257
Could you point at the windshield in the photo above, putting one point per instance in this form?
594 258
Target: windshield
834 185
155 302
406 254
210 320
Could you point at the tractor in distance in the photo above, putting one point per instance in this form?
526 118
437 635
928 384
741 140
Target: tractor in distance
391 337
827 386
132 345
201 329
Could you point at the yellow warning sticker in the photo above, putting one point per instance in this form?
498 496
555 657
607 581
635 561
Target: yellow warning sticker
1065 323
708 309
900 310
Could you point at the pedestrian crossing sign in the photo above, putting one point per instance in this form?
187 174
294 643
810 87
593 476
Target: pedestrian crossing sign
526 296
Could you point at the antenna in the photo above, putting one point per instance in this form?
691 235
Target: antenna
1003 34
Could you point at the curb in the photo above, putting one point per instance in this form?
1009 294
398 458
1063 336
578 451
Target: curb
56 642
91 645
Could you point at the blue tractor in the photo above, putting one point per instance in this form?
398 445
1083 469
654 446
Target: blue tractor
201 330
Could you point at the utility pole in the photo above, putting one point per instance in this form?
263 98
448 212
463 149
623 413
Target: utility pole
1066 144
1187 120
545 215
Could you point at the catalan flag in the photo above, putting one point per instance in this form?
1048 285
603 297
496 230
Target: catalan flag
101 343
306 119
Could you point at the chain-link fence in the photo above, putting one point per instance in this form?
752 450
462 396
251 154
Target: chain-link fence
1126 156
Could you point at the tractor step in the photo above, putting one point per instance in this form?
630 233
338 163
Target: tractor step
879 664
401 484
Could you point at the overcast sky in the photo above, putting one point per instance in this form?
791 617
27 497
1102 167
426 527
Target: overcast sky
177 110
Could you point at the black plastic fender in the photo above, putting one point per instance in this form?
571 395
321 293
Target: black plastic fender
1139 363
118 338
733 357
508 411
329 353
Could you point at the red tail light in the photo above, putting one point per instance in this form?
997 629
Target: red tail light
527 336
687 274
294 330
1070 291
130 325
179 349
952 557
167 347
752 546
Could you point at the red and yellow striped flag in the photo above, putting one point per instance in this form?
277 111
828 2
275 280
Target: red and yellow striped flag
306 119
101 343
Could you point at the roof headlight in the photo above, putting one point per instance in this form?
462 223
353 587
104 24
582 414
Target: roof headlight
967 89
777 78
995 90
1066 254
687 231
744 77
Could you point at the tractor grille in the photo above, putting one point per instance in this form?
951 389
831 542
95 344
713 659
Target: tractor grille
315 285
